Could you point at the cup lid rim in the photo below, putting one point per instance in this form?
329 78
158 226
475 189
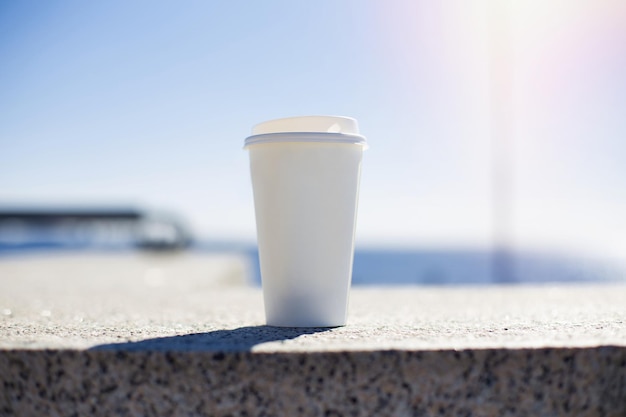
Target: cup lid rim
310 137
312 128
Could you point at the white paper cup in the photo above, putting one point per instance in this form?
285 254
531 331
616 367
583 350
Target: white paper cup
305 178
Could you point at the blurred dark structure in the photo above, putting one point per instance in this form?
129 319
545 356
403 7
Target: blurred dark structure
90 228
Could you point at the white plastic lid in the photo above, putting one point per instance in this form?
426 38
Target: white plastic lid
335 129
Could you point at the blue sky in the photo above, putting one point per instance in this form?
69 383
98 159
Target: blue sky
148 103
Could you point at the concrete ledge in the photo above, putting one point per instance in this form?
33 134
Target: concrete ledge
494 382
189 344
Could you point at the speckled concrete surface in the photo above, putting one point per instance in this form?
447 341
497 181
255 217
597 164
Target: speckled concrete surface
545 382
113 335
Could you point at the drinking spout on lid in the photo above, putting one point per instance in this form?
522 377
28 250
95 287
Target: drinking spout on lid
309 124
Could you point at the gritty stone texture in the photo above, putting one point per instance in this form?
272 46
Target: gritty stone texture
495 382
184 336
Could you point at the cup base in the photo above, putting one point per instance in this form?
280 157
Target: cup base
304 325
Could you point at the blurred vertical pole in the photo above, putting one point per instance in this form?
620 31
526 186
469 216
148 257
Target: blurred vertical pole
501 126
